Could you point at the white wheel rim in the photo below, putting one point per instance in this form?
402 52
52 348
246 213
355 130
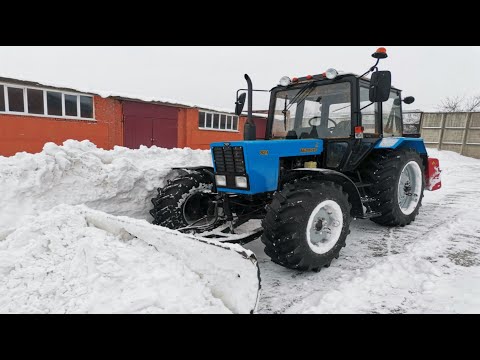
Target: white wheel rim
324 226
409 187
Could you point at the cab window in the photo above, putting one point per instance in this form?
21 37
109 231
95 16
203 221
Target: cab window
369 112
392 115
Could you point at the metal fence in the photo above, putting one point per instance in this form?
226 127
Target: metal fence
458 132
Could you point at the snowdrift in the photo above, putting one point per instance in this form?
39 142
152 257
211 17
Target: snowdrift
57 255
72 259
120 181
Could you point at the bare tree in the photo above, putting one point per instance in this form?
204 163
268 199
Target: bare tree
452 104
472 104
460 104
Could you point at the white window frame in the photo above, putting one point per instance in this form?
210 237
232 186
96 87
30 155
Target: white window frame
45 110
211 128
7 103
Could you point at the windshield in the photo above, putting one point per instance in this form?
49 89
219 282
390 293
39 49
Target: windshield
314 111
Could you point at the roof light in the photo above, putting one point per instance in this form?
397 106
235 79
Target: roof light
285 81
309 77
295 79
331 74
381 53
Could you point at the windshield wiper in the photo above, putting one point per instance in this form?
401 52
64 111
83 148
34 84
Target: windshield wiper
300 93
295 100
367 106
341 108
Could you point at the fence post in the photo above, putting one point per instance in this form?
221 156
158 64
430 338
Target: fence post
442 131
465 133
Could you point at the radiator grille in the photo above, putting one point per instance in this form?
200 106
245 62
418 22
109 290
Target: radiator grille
229 159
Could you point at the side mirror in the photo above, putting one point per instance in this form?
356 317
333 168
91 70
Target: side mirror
240 103
409 100
380 85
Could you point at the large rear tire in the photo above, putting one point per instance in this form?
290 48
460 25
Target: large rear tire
306 224
398 182
183 201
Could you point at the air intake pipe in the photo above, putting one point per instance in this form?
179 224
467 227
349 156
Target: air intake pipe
250 129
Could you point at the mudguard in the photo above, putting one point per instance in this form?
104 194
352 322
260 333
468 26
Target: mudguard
347 184
207 170
402 143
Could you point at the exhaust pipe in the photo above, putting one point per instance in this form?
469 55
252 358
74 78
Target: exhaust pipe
250 129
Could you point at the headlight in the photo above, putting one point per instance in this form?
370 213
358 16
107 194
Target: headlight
285 81
331 74
241 182
221 180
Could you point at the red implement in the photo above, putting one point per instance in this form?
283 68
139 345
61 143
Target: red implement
434 181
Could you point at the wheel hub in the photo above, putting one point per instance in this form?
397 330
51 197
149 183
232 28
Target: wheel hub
197 209
319 225
409 187
324 226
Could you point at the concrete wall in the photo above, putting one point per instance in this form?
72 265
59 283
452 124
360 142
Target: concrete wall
458 132
29 133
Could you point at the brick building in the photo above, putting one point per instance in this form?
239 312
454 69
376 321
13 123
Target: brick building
32 114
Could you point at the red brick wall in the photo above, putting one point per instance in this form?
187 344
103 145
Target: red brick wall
189 135
30 133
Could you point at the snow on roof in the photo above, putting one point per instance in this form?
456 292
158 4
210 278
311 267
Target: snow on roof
113 94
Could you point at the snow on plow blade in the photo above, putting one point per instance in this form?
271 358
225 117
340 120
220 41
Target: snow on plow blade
230 271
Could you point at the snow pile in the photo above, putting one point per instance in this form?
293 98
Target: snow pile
76 260
120 181
57 255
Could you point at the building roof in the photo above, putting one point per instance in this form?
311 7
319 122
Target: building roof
118 96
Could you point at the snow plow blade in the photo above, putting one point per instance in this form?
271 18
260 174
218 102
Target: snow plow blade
230 271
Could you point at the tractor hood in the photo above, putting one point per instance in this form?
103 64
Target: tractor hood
257 160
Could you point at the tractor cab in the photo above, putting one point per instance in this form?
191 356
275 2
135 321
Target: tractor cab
334 107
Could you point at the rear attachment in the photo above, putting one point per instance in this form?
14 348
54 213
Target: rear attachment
433 179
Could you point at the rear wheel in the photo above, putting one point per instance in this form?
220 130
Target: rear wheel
398 181
307 224
184 201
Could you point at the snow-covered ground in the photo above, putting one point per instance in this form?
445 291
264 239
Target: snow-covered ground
430 266
59 255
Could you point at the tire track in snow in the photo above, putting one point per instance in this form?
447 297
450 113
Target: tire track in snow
370 245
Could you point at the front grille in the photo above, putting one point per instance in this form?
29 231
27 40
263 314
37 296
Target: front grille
229 159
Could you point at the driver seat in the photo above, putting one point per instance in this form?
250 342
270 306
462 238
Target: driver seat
312 135
314 132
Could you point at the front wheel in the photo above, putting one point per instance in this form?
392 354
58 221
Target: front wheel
184 201
307 224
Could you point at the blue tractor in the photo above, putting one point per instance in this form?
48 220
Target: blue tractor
334 150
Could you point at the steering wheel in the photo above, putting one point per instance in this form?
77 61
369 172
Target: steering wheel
319 117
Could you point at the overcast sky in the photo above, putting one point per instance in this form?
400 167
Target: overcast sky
211 75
